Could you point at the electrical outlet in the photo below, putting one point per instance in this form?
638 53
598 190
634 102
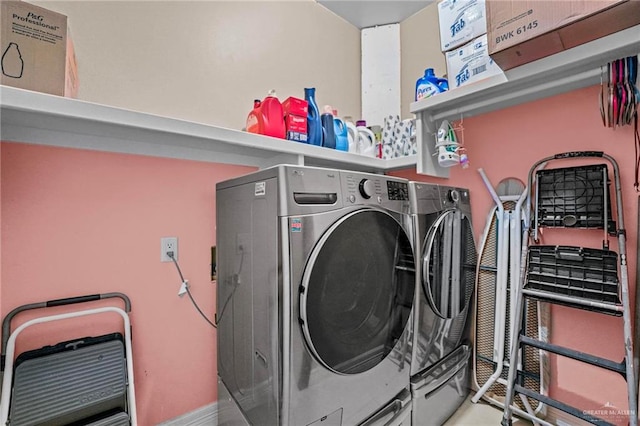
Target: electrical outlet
168 244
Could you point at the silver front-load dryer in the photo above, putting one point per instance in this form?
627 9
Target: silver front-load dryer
445 279
316 282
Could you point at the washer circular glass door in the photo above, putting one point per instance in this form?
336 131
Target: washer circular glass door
449 264
357 291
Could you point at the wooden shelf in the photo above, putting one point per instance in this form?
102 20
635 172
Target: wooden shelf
32 117
569 70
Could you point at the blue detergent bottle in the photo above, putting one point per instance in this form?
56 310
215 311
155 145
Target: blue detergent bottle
314 126
430 85
328 128
342 134
340 130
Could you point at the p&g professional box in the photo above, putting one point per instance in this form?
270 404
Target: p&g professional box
71 81
33 43
460 22
470 63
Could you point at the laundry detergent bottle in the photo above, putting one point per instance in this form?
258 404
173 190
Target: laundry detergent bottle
314 126
429 85
342 133
328 129
267 117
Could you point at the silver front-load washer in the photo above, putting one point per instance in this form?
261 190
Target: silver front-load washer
445 279
316 282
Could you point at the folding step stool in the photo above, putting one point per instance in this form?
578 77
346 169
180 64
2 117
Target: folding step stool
87 381
577 277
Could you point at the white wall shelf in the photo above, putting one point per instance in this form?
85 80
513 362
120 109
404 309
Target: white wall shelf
38 118
569 70
32 117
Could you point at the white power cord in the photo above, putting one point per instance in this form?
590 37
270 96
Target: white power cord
184 288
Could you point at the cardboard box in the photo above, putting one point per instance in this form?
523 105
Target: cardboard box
295 118
71 81
460 22
295 106
296 127
521 31
33 41
296 123
470 63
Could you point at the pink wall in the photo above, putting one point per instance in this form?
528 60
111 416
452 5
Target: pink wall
505 144
1 230
81 222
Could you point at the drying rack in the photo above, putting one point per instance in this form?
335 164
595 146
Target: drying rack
578 277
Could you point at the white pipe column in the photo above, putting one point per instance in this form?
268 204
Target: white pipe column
380 73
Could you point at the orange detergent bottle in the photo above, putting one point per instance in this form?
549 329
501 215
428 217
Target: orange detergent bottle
267 117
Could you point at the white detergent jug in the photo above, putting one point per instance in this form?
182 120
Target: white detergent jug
366 144
352 135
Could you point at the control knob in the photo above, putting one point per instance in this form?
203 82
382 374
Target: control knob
453 196
366 188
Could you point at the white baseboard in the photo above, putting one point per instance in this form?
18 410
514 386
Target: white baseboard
203 416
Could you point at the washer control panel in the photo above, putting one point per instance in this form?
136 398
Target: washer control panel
366 188
362 188
454 197
373 189
397 190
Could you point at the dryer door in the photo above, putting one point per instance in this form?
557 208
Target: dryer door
357 291
449 264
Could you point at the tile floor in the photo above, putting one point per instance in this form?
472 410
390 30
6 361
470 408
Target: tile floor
480 414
